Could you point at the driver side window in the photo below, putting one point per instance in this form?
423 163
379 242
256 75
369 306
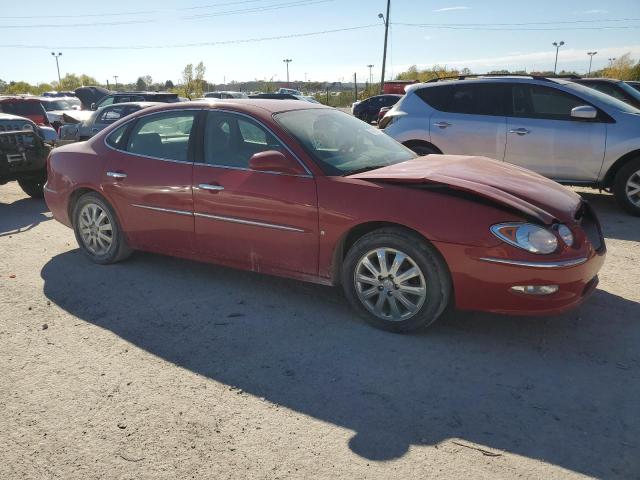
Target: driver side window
231 140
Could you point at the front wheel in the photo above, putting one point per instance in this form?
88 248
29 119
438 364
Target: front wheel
97 230
626 187
397 280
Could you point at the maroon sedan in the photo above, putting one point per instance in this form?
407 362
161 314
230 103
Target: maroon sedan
300 190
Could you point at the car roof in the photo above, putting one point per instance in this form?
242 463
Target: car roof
11 98
263 105
140 104
488 78
596 79
9 116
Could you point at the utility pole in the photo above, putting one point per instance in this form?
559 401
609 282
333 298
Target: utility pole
58 67
287 61
557 45
386 36
611 60
591 54
115 77
108 88
355 84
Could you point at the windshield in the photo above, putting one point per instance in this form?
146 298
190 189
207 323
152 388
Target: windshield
341 144
608 100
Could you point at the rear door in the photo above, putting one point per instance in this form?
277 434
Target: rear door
148 177
542 135
254 220
469 118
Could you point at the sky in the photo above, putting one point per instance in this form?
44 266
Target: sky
479 34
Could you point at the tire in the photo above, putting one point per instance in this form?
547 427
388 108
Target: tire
34 187
433 280
88 220
422 149
625 185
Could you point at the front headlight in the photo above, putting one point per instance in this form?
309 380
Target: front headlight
527 236
27 126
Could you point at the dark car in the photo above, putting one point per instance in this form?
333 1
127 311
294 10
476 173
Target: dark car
29 107
122 97
23 154
367 110
616 88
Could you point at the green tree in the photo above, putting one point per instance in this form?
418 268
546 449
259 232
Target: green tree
140 84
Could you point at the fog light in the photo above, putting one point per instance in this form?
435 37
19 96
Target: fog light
535 289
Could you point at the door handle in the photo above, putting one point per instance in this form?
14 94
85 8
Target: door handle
442 124
117 175
211 188
520 131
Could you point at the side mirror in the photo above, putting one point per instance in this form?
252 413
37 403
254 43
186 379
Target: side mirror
584 112
94 106
275 162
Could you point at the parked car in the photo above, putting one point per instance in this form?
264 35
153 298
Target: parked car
23 154
55 107
290 188
367 110
23 106
383 111
90 95
565 131
58 94
616 88
291 91
99 120
634 84
124 97
225 95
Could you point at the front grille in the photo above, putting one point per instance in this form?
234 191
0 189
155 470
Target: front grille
18 139
587 219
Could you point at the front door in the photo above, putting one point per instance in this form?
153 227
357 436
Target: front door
543 137
148 178
254 220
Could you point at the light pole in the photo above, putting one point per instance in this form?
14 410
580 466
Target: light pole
115 77
611 60
557 45
287 61
370 74
58 67
591 54
386 36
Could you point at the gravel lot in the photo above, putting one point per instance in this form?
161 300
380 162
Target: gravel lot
162 368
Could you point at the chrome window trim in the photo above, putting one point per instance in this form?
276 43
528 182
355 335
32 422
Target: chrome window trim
249 222
561 264
201 164
200 109
165 210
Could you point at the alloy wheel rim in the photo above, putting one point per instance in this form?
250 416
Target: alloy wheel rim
633 189
390 284
96 229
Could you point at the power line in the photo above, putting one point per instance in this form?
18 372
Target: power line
185 45
504 29
257 9
528 23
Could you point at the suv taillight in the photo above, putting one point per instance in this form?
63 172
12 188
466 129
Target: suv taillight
386 121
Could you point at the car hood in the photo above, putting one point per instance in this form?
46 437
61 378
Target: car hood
509 185
89 95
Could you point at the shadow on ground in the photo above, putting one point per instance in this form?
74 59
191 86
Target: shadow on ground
563 390
22 215
616 223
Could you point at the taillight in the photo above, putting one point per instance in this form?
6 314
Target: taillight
386 121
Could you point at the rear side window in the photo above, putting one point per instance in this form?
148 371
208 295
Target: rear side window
112 114
23 108
536 101
436 97
164 136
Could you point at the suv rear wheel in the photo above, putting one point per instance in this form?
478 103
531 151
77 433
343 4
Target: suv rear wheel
626 187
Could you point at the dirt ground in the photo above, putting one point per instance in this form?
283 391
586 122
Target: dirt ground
159 368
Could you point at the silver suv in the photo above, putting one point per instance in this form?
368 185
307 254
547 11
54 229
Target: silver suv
565 131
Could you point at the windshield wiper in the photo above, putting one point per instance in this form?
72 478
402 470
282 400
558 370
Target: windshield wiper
362 170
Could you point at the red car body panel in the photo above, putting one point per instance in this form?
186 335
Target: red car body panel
297 225
27 107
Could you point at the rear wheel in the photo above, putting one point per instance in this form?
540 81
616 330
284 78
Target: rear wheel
422 149
34 187
626 187
97 230
396 280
